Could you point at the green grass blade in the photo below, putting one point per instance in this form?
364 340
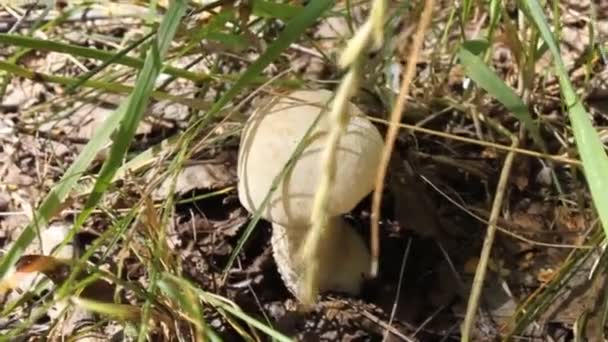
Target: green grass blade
273 9
79 51
138 101
590 148
110 87
294 29
189 303
216 23
128 116
168 282
231 41
487 79
109 61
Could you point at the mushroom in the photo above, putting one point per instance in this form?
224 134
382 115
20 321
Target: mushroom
270 138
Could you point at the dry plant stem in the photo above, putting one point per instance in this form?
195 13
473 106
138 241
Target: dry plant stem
339 118
480 272
529 153
406 253
471 212
393 129
394 331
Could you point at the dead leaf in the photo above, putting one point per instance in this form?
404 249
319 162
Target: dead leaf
58 270
203 175
545 275
568 220
528 222
22 93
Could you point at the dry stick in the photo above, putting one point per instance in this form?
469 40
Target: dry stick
393 129
480 272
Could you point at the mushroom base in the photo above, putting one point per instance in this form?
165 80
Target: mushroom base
344 258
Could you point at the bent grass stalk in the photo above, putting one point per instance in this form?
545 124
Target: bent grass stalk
339 117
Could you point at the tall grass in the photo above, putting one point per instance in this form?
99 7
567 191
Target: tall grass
589 146
118 131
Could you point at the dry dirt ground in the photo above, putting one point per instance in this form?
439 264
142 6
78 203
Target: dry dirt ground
433 221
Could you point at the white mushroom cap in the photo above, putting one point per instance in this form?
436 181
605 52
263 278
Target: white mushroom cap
270 138
343 251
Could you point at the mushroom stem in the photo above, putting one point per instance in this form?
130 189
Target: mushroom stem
343 255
